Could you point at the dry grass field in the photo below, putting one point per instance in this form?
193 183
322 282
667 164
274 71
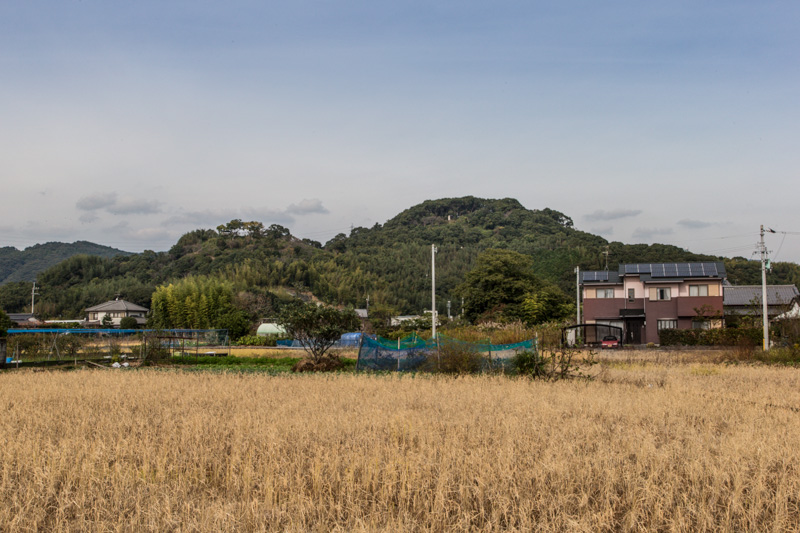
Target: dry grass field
645 446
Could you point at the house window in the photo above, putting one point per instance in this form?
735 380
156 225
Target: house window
667 324
605 293
663 293
698 290
631 294
701 324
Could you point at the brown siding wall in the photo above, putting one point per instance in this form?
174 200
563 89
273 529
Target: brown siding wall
681 308
595 308
688 304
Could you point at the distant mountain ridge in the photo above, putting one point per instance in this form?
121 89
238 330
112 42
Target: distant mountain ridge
24 265
388 263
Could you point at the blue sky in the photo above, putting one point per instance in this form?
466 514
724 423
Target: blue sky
130 123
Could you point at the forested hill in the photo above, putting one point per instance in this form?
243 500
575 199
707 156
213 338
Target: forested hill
24 265
399 252
390 263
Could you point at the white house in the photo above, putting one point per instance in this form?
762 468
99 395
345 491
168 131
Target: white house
116 310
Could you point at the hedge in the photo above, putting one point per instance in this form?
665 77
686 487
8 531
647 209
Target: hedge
710 337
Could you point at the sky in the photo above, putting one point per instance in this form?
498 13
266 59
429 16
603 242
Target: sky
131 123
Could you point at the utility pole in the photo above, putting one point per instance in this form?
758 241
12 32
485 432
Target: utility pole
33 295
433 291
764 265
578 292
449 316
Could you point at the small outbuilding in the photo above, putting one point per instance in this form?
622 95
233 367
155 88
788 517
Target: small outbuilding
350 339
270 328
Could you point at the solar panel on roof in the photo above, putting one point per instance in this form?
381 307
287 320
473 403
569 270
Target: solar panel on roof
708 269
598 275
638 268
673 270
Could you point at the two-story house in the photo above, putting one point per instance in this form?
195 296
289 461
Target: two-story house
644 298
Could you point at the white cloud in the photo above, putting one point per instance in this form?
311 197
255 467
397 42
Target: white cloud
96 201
133 206
605 230
215 217
110 203
647 234
694 224
615 214
306 207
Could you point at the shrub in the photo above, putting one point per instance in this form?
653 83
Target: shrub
128 322
529 363
255 340
786 355
709 337
454 359
551 364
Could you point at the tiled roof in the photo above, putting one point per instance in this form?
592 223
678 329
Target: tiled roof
116 305
751 294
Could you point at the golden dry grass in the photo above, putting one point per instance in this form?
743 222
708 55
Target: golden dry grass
693 447
264 351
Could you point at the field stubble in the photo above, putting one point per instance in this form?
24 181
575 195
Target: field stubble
688 447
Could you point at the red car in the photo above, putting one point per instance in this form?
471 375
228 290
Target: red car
610 341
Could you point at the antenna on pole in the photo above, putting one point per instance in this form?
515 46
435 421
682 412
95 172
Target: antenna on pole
578 292
605 253
433 291
33 295
762 248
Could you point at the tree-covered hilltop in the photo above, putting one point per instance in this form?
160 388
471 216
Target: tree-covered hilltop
390 263
24 265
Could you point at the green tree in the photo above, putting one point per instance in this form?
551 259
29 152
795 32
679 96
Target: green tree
193 302
548 303
317 327
5 323
498 284
503 286
236 321
128 322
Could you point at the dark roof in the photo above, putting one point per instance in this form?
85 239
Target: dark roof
744 295
117 305
20 317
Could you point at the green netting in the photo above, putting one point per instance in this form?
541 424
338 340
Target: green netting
406 343
411 352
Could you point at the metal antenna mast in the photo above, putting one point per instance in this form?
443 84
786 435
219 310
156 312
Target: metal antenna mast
578 292
33 295
433 290
762 248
